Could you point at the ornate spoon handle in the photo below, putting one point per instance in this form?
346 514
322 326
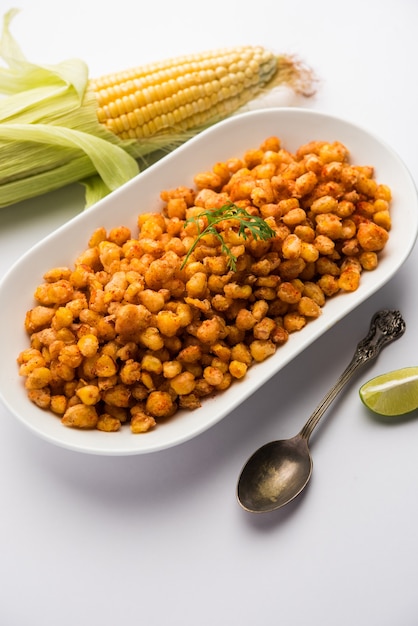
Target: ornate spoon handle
386 326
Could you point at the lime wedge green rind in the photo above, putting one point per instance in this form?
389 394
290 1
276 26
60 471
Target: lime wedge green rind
393 393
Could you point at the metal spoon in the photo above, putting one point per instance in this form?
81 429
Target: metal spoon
278 471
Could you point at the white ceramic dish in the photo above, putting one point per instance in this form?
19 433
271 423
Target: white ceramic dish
227 139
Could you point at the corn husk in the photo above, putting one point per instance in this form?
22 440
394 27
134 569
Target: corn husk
50 135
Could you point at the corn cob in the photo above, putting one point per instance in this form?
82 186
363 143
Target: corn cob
187 92
58 126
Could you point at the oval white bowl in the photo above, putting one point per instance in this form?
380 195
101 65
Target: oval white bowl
226 139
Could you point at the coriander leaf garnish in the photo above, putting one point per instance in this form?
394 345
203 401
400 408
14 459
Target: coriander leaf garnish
254 224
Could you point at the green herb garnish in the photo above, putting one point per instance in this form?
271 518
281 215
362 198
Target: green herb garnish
248 223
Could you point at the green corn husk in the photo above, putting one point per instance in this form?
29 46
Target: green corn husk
50 135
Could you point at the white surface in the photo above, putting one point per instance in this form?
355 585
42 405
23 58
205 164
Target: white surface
159 539
296 127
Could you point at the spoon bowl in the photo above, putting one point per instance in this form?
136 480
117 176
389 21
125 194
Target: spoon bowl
275 474
278 471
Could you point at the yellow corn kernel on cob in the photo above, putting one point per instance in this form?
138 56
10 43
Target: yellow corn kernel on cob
188 92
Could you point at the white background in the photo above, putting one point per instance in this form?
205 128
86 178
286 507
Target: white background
159 539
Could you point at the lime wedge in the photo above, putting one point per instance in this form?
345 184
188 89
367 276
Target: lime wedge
393 393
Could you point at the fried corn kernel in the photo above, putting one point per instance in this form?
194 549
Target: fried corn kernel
108 424
383 219
171 369
58 292
241 352
40 397
160 404
305 183
235 291
264 328
38 378
71 356
183 383
105 366
329 225
371 236
213 375
118 395
308 307
245 320
38 318
210 330
151 338
141 422
151 363
293 322
36 361
287 292
131 318
88 345
135 331
225 383
368 260
190 354
58 404
153 300
349 280
63 318
261 349
219 364
168 323
89 394
196 286
238 369
323 205
314 291
130 372
80 416
294 217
